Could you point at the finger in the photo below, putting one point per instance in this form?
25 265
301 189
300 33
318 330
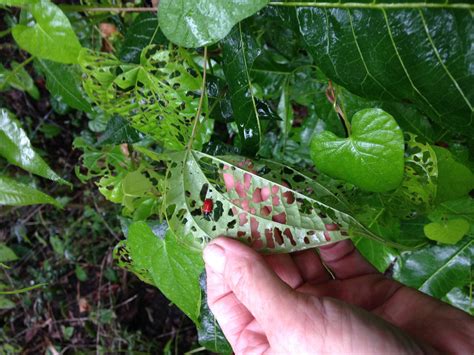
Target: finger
310 266
232 316
345 260
254 284
286 269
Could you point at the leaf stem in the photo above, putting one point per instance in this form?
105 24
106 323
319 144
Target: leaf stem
201 100
376 6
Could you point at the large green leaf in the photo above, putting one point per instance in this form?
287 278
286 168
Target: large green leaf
13 193
437 269
265 204
64 81
420 55
15 146
199 23
173 266
143 32
370 158
50 35
239 50
379 255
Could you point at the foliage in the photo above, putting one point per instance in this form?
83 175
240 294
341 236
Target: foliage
304 125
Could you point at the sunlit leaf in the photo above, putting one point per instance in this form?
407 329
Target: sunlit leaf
448 232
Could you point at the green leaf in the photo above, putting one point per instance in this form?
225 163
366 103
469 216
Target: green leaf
370 158
18 78
296 212
143 32
13 193
437 269
6 254
455 180
200 23
49 36
63 81
158 96
239 50
461 208
119 131
379 255
5 303
174 267
17 2
447 232
16 148
393 55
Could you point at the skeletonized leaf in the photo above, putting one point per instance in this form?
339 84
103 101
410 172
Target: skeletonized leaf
16 147
265 204
13 193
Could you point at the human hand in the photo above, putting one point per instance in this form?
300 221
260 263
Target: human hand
289 303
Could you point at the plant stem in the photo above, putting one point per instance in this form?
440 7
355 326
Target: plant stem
85 8
376 6
201 100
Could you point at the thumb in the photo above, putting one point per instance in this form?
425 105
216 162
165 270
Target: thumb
251 280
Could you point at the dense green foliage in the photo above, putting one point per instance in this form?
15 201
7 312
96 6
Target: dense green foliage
305 125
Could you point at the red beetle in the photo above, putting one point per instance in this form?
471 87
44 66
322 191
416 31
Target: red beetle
207 207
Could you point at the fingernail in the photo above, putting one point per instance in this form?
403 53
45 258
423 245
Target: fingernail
214 257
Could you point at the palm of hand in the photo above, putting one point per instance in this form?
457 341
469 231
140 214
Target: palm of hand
293 304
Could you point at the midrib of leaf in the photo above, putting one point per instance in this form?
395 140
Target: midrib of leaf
376 6
445 265
60 83
244 57
392 40
362 58
456 84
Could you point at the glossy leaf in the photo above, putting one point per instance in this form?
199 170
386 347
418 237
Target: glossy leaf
50 36
447 232
370 158
269 206
379 255
200 23
17 149
174 268
437 269
455 180
239 53
143 32
158 96
63 81
13 193
395 54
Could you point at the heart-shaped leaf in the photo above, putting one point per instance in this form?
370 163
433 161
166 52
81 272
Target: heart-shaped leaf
449 232
50 36
370 158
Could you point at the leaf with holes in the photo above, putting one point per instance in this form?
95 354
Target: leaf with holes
394 55
265 204
159 96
